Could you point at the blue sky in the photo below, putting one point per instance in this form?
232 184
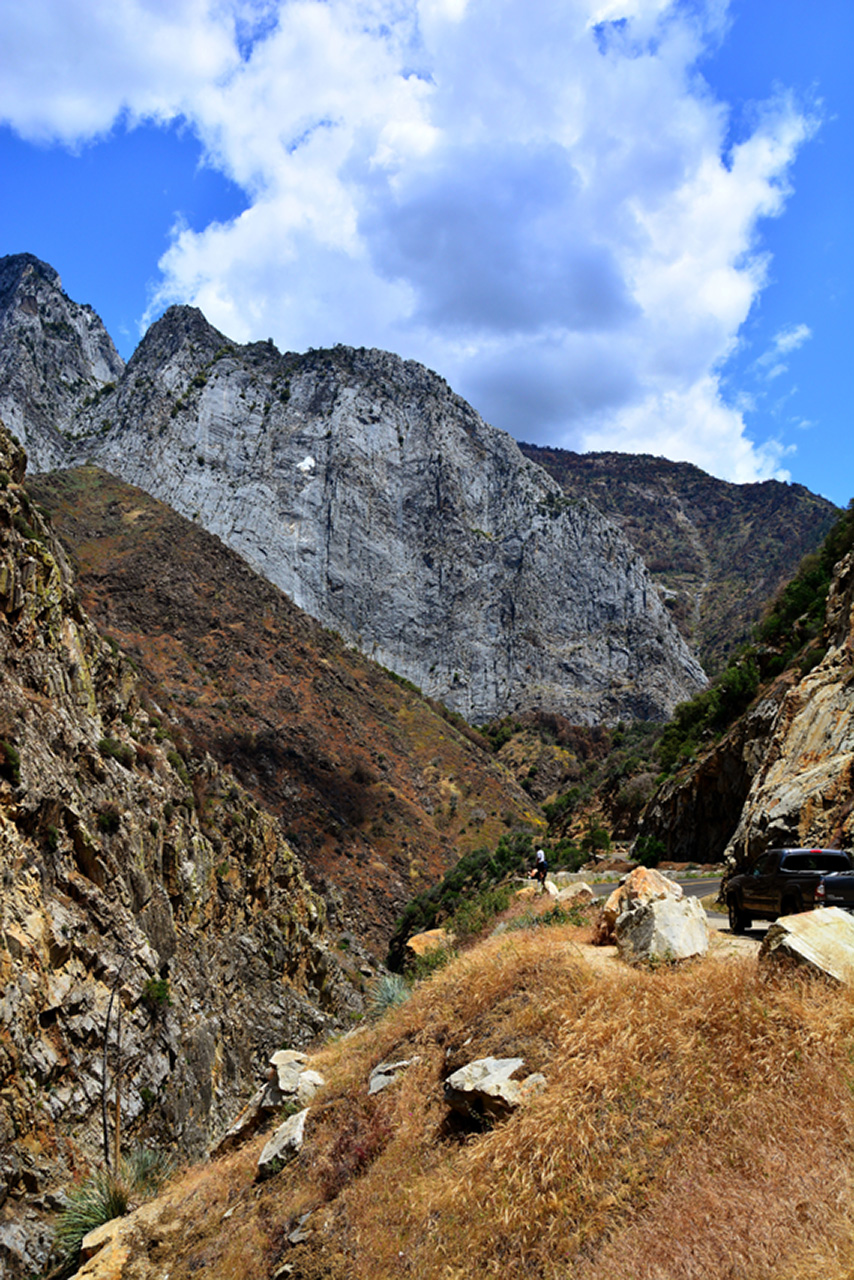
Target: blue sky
617 224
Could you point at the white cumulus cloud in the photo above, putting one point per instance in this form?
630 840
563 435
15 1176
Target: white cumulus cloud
540 201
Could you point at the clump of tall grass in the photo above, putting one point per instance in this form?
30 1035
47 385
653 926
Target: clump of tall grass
105 1195
388 990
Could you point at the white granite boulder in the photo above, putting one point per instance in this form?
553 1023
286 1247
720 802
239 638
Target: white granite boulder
821 940
483 1088
640 886
284 1145
385 1073
663 929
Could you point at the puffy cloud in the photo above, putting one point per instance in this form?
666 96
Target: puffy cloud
70 67
540 203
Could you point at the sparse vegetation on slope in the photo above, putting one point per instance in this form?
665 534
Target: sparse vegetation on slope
378 789
669 1140
788 632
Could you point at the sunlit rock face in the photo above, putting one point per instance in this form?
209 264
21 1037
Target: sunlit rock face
54 356
385 506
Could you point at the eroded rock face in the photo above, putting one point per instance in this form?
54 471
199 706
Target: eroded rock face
131 867
381 503
801 793
385 506
784 774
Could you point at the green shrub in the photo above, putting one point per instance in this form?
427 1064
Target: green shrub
555 915
156 995
179 766
113 749
109 819
99 1199
431 962
649 851
105 1196
10 763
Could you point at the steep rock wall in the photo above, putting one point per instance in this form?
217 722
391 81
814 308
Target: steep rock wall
784 774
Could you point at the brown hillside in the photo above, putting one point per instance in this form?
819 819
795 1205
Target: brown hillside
668 1143
374 788
719 551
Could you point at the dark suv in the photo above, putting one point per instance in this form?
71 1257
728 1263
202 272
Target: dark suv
780 883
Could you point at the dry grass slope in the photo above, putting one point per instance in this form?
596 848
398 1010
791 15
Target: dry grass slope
698 1123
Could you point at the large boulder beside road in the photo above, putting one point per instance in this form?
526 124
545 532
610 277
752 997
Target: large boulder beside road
641 886
664 929
821 940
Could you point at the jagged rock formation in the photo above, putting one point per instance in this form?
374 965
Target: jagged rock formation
784 774
379 794
120 850
718 551
383 504
55 357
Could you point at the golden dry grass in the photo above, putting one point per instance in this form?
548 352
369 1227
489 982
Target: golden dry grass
698 1122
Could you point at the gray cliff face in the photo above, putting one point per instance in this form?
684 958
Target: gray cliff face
386 507
54 355
363 487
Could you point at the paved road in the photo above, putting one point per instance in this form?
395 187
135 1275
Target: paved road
691 888
701 889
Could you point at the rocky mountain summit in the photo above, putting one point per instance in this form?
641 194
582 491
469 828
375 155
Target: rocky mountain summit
55 357
133 867
382 504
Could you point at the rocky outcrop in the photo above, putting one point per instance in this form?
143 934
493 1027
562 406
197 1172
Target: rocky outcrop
133 871
784 774
56 358
801 794
382 504
694 813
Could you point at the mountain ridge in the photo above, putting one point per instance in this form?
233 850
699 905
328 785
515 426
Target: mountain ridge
718 551
383 504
